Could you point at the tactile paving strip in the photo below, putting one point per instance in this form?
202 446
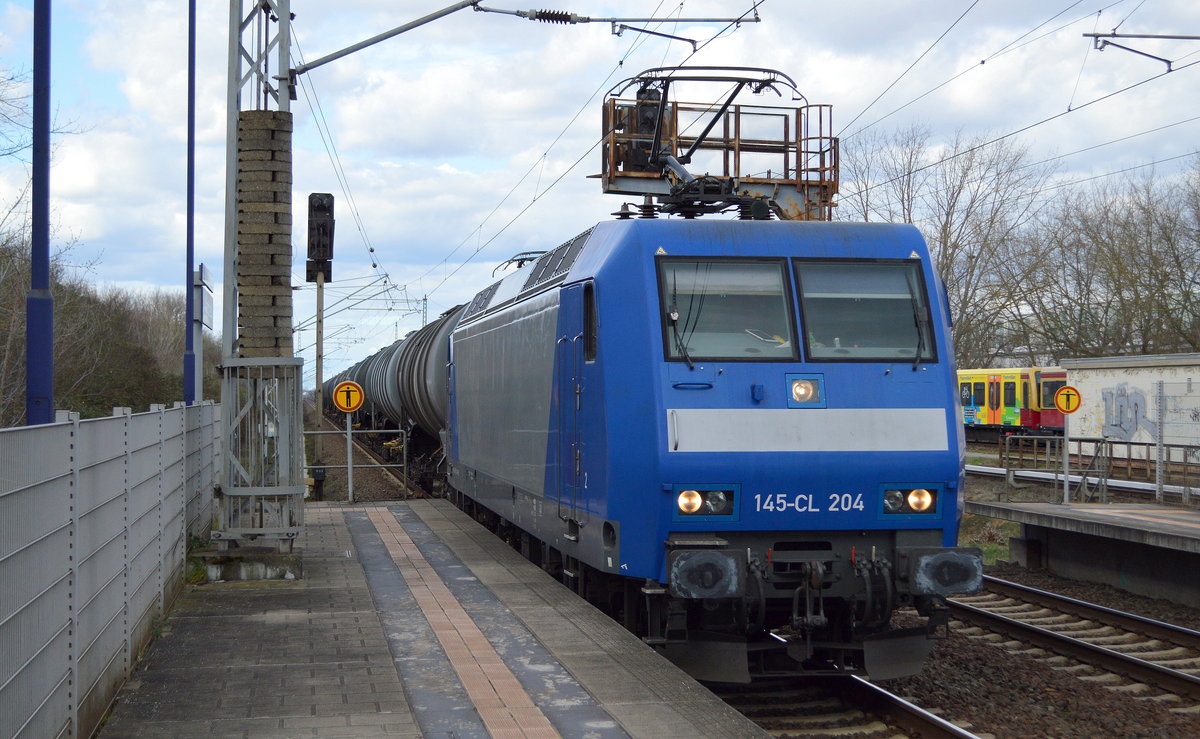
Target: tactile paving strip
504 707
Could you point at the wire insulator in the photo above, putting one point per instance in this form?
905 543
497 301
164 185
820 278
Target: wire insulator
648 209
553 16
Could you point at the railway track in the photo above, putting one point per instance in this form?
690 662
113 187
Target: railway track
835 707
408 488
1118 650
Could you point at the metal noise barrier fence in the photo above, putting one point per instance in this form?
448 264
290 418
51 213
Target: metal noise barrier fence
94 521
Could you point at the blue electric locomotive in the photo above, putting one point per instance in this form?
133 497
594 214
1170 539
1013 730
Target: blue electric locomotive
741 437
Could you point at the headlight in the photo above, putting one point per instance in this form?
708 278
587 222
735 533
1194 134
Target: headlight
910 500
705 502
920 500
803 391
690 501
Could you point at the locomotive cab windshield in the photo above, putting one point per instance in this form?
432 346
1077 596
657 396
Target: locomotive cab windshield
726 309
851 310
864 311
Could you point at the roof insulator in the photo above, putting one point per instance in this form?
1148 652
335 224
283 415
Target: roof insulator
625 213
553 16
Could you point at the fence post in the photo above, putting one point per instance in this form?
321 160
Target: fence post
1160 412
181 529
73 584
160 562
126 661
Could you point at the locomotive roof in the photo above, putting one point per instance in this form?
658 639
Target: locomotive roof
581 256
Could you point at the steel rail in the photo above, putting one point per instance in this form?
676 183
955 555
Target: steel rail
794 708
406 484
1178 635
897 711
1134 668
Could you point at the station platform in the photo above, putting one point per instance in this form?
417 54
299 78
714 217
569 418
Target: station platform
1149 549
412 621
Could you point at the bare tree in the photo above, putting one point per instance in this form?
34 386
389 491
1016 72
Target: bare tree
78 349
884 173
1119 265
14 112
971 199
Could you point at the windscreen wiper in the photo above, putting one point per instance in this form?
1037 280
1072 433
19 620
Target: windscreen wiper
673 317
917 321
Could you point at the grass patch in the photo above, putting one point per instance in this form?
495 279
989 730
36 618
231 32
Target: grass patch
989 534
197 573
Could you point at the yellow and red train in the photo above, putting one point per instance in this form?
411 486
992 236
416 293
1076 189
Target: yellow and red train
998 402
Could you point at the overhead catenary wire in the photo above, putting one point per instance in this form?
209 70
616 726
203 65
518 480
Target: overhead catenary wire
1068 183
1110 142
1022 129
910 66
1008 48
1087 52
394 297
1102 175
1130 15
310 321
314 103
319 116
477 231
514 219
577 162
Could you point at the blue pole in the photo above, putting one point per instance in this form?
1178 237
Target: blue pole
189 352
39 304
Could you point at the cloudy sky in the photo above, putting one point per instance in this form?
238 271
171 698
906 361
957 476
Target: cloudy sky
463 142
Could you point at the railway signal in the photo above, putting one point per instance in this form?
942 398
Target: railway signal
320 235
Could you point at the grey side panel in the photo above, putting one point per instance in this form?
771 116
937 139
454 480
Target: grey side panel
806 430
504 367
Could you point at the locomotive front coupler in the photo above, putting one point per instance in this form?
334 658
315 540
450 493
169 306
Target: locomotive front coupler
814 606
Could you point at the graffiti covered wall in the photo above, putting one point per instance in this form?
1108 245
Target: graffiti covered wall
1119 398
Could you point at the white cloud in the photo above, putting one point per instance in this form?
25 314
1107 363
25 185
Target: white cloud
16 28
435 127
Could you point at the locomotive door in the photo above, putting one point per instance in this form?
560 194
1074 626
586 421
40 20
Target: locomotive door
569 360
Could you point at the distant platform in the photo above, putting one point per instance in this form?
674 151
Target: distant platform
1145 548
412 621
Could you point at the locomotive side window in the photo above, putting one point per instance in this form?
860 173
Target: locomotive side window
726 309
589 322
1010 394
980 395
865 311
